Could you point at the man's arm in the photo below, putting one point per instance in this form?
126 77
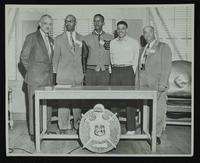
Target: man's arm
135 56
26 50
137 71
166 64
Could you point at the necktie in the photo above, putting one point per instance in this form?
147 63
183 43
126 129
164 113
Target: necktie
72 41
145 54
47 45
99 35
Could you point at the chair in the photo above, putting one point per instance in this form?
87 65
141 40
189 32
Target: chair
179 94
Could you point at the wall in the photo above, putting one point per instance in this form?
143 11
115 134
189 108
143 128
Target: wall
32 15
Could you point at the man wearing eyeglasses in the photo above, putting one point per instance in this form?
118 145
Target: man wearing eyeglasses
67 64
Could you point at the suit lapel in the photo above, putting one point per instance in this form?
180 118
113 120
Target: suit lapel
154 48
66 42
78 38
41 42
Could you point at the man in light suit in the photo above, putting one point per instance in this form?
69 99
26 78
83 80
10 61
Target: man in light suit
36 57
67 64
154 68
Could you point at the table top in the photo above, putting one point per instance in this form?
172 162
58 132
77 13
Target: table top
92 88
94 92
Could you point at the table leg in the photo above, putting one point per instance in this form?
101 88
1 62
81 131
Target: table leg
44 114
145 118
37 124
154 120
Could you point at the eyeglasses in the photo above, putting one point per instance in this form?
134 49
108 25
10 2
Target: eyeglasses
71 21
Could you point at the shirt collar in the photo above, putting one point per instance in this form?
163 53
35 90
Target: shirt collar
152 43
43 34
123 39
73 34
95 32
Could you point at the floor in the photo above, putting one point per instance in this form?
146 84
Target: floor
176 140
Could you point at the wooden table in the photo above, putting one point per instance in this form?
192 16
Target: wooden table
95 92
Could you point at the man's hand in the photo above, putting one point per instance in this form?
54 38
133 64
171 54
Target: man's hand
162 88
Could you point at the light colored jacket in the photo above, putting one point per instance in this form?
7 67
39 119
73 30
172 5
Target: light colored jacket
66 63
157 68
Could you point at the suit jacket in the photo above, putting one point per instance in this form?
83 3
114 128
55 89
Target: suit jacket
66 63
157 67
35 58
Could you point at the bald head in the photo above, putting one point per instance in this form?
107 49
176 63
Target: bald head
148 27
46 16
148 32
70 23
45 23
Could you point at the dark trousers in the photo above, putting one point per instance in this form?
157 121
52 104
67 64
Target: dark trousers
96 78
124 76
31 111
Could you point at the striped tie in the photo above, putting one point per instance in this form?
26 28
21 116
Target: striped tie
47 45
72 41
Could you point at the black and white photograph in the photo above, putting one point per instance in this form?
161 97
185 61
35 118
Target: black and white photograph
99 80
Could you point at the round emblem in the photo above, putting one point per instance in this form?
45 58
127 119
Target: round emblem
99 130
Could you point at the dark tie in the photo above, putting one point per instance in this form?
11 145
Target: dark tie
72 40
145 58
99 35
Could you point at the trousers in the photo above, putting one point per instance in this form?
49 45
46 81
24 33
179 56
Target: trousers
124 76
31 111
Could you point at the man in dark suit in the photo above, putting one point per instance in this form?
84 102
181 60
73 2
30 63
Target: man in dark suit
36 56
154 68
67 64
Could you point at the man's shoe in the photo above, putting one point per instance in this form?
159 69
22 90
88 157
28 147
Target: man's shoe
76 125
158 141
130 133
69 127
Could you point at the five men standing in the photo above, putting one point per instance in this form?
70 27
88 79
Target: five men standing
153 66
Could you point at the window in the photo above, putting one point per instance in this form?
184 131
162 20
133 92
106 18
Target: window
174 26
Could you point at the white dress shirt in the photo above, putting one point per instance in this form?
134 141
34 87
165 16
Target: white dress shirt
124 51
69 37
46 40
